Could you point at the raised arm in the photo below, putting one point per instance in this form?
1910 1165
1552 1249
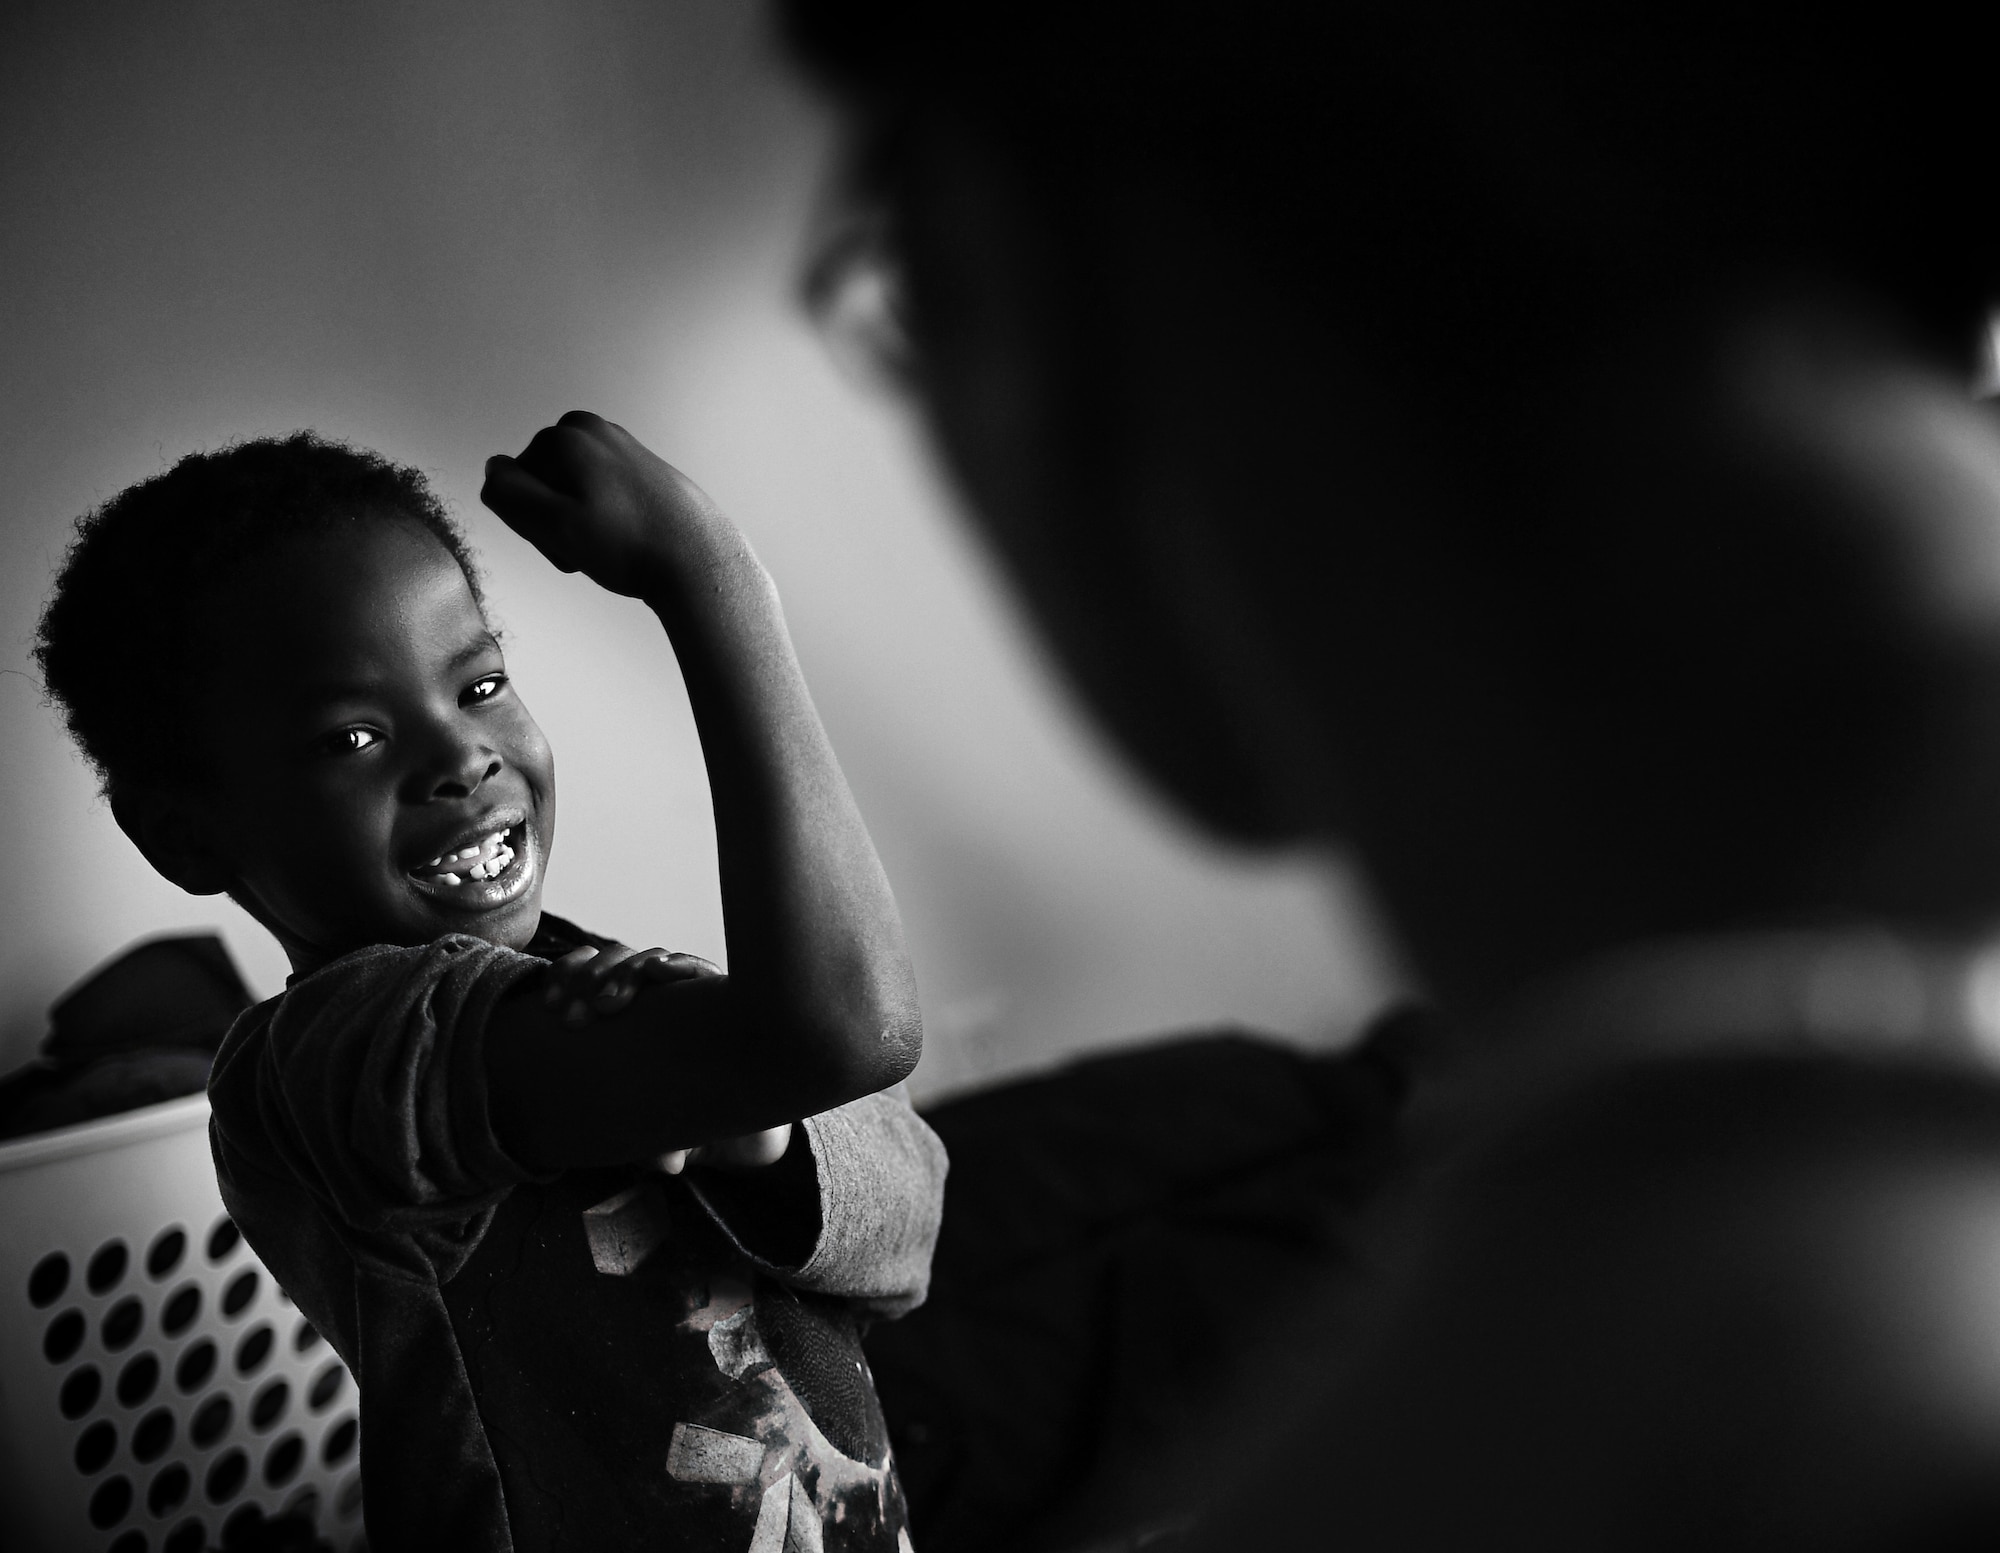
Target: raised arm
819 1006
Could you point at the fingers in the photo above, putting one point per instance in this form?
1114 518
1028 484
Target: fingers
743 1153
535 494
660 965
527 504
750 1151
563 972
650 966
561 456
596 982
583 977
596 431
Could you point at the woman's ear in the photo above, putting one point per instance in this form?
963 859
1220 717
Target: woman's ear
174 833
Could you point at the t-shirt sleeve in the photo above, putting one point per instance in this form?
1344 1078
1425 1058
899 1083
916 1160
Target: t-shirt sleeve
879 1173
366 1084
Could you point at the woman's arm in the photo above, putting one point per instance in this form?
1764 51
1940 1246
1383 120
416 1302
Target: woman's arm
819 1006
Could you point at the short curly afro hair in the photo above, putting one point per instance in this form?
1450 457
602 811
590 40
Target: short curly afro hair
137 585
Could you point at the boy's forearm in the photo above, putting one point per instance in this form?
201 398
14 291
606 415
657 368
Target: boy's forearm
813 936
820 1006
684 1063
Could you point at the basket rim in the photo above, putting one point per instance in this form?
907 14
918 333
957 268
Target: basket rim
139 1125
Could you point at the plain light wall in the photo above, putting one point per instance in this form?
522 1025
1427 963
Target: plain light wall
432 229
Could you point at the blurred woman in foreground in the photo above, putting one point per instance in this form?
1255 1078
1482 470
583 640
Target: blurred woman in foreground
1541 455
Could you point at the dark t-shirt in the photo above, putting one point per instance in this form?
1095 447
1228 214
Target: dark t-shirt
594 1359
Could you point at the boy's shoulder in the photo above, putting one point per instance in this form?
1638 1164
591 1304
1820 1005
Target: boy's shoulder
364 1083
383 1005
384 1017
363 975
398 973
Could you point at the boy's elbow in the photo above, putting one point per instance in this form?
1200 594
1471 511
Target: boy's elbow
872 1048
900 1046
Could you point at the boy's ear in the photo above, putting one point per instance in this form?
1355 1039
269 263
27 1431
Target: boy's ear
174 834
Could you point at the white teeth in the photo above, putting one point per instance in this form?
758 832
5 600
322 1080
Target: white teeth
490 858
492 867
494 844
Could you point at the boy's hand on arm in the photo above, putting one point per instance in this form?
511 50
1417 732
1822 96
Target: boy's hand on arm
589 982
745 1151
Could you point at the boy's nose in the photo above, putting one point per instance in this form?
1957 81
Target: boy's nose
461 772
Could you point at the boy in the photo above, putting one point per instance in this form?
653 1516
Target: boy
464 1161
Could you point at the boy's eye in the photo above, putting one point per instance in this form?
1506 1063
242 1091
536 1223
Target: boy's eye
348 741
485 688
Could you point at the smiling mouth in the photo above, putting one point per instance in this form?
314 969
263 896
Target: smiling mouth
489 871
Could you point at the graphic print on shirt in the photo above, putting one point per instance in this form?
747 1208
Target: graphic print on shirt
760 1443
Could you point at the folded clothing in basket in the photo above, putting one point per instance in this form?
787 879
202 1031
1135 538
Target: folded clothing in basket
141 1029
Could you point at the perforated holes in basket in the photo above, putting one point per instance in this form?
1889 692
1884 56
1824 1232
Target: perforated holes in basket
269 1405
339 1442
195 1366
122 1323
281 1462
223 1239
169 1246
211 1421
109 1504
80 1390
63 1337
147 1453
326 1386
106 1268
169 1489
182 1306
241 1291
254 1349
95 1446
155 1432
137 1380
226 1476
47 1282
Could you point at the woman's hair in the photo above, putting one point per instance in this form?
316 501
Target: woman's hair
1453 161
125 641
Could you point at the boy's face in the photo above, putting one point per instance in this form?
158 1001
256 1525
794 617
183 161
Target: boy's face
378 780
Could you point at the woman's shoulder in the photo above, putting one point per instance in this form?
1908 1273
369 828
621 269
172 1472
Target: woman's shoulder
1725 1300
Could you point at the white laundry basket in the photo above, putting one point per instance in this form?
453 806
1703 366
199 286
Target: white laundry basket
154 1380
